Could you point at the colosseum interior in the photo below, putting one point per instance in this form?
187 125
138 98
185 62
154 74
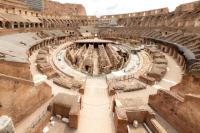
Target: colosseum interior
62 71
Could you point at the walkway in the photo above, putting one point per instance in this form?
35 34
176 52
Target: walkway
173 75
96 116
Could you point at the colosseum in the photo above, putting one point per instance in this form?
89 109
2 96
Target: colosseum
63 71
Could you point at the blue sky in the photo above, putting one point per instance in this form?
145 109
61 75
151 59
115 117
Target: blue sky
106 7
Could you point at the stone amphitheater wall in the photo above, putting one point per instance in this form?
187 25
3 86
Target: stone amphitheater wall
56 8
19 99
189 85
180 112
188 6
15 69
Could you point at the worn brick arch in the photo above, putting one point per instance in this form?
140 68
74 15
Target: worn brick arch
41 25
21 25
8 25
1 24
27 25
32 25
16 25
36 25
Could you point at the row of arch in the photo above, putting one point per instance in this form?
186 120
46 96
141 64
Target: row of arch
50 42
15 25
45 23
57 23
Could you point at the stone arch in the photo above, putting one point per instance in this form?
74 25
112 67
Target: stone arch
16 25
8 25
21 25
36 25
27 25
32 25
41 25
1 24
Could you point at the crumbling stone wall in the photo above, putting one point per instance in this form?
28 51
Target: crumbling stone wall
19 99
185 17
188 6
181 113
58 9
138 14
15 69
189 85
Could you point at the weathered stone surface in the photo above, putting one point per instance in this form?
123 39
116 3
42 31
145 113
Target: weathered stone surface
189 85
69 83
56 8
125 86
6 125
96 56
21 98
182 113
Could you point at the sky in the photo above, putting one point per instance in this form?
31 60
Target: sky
109 7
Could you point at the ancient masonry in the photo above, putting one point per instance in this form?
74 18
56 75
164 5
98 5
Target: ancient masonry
63 71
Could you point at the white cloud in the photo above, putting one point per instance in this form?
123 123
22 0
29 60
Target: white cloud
105 7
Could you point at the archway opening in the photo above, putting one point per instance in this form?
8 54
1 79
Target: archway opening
8 25
21 25
16 25
1 24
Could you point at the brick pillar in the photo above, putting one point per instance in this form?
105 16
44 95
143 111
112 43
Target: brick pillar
3 24
12 25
